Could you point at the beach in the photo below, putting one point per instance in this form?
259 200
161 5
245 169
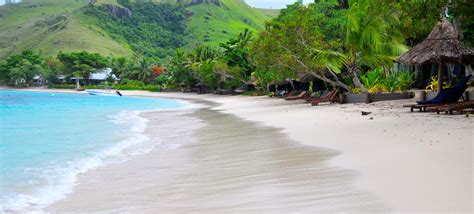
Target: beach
413 162
257 154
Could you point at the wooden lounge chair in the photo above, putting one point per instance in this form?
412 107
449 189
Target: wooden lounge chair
422 107
323 95
300 96
453 107
448 95
331 97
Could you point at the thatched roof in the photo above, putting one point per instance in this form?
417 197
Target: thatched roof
283 82
305 77
443 44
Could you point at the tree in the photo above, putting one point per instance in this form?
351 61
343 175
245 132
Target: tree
371 39
52 68
120 66
201 62
15 67
82 64
289 43
236 52
25 71
180 70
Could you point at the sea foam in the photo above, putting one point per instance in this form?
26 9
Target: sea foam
60 178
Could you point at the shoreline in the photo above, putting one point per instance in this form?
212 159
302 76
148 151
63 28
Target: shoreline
410 161
218 168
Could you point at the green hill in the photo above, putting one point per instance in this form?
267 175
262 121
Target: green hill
213 24
49 26
270 13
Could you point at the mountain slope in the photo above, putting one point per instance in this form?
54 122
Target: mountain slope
212 24
270 13
51 25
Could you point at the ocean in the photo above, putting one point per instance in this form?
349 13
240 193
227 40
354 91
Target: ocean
47 139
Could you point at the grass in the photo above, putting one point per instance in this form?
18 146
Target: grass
211 24
49 26
270 13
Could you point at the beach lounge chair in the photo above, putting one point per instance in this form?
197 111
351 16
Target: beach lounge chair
448 95
330 97
322 95
453 107
300 96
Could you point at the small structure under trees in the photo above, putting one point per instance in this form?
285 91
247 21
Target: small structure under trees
443 45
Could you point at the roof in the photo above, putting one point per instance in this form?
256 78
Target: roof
102 75
305 77
442 44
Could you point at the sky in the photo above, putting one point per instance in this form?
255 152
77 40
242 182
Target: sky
3 1
274 4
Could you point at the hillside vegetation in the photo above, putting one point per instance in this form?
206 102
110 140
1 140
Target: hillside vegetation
49 26
212 24
270 13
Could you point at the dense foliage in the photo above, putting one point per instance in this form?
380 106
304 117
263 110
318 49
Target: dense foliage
81 64
22 68
349 44
154 30
417 18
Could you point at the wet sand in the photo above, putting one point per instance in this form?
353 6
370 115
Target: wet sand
222 164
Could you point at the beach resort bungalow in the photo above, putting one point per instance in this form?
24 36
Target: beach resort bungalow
38 80
102 76
98 77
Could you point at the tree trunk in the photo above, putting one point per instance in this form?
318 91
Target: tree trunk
355 79
440 76
332 82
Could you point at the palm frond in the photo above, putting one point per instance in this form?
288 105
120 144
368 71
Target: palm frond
333 60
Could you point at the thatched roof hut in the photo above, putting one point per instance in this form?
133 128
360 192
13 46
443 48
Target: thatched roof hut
305 77
443 45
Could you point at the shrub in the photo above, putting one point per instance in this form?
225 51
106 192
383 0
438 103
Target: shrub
376 81
135 85
433 86
391 83
405 80
62 86
372 80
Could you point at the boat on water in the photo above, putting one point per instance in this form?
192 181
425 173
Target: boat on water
104 93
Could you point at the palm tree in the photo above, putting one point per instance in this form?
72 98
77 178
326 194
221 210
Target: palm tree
370 39
144 67
180 70
201 62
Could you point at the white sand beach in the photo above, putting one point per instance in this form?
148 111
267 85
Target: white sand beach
414 162
390 161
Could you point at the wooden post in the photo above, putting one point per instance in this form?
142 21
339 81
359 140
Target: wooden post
440 76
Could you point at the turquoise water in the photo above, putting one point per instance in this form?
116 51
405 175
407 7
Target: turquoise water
46 139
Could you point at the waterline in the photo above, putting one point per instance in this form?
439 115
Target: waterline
49 139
